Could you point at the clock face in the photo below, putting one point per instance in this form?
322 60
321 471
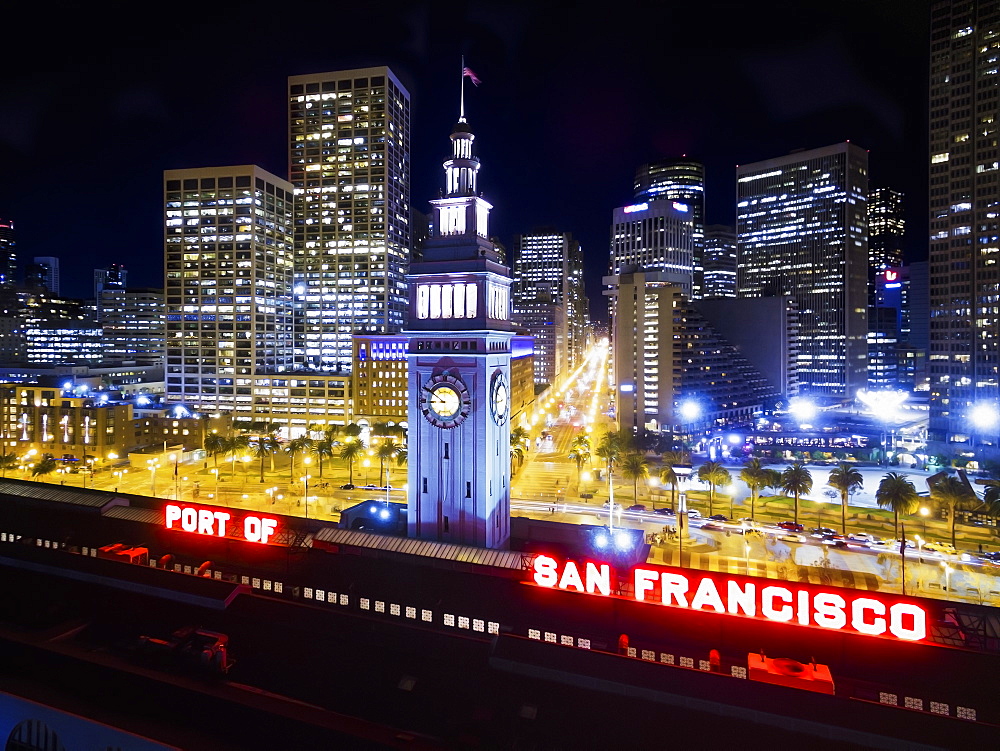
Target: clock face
445 401
499 399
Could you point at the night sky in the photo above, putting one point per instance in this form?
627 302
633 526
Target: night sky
99 99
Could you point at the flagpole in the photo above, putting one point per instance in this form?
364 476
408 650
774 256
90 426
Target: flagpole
461 106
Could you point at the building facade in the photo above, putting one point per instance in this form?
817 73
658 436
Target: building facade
886 228
719 260
964 256
8 254
133 324
228 271
44 272
349 162
655 236
802 232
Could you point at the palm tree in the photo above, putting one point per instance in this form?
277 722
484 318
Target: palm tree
261 450
299 445
352 430
581 455
236 445
953 494
796 480
772 478
518 439
46 466
387 450
846 478
714 474
669 477
634 467
8 461
215 444
402 456
349 452
897 494
322 449
753 475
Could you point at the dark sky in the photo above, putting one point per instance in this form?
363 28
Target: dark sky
99 99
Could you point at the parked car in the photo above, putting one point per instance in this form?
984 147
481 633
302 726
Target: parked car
348 486
694 513
792 526
636 507
719 518
664 510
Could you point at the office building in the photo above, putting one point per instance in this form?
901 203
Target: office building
44 272
964 255
655 236
802 232
898 327
719 262
886 225
228 259
673 371
681 180
549 300
8 254
114 276
133 324
349 162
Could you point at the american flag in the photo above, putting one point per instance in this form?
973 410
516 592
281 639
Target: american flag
472 76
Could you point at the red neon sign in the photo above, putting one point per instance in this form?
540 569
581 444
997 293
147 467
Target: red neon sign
890 275
781 602
212 522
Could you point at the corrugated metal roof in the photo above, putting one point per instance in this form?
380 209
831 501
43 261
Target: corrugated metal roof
46 492
426 548
144 515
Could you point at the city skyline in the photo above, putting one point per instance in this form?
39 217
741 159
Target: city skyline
593 122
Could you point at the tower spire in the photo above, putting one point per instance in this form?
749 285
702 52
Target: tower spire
461 101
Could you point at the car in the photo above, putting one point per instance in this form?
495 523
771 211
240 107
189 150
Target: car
636 507
666 511
792 526
791 537
348 486
941 547
712 525
694 513
862 538
820 532
719 518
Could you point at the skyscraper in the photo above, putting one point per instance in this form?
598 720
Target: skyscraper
111 277
8 254
719 262
549 300
964 218
349 160
802 232
46 271
681 180
655 236
886 224
228 259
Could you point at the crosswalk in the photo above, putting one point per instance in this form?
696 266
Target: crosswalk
783 570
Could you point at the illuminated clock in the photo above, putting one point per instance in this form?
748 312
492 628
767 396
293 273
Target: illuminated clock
499 399
445 401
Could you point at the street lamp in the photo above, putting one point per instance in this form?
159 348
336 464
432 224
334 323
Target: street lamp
947 576
884 405
984 417
152 464
215 472
683 471
118 476
924 511
305 492
270 493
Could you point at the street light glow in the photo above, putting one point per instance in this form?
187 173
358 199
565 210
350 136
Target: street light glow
690 410
984 415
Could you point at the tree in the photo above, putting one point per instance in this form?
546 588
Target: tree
215 444
581 455
846 478
518 440
8 461
322 449
352 430
46 466
796 480
753 475
952 494
237 445
387 450
714 474
772 478
299 445
350 452
897 494
634 467
261 450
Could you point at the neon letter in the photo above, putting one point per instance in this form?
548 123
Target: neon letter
707 594
858 608
599 578
205 520
803 609
830 611
742 599
644 579
173 514
189 520
767 597
674 587
896 615
571 577
222 517
267 527
545 571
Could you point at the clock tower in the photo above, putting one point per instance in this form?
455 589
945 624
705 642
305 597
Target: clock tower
459 333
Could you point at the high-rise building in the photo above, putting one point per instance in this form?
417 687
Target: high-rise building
8 254
114 276
133 324
802 232
886 225
349 160
45 272
964 254
673 371
719 262
655 236
459 365
549 300
228 271
681 180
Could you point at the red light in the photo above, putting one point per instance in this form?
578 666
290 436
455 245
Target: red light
212 522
